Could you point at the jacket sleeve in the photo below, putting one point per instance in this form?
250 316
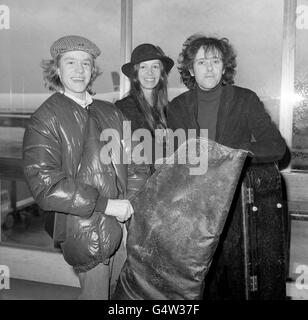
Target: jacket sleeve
50 186
267 144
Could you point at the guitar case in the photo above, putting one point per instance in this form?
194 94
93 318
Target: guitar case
251 260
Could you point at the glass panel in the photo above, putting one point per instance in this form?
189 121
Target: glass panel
300 115
27 29
254 28
298 271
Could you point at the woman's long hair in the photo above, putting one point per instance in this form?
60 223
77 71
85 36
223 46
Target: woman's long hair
156 114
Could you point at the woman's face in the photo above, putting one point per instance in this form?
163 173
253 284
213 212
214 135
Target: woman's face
149 73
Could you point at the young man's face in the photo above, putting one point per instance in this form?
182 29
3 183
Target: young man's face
207 69
75 68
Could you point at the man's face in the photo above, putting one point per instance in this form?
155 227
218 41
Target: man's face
207 68
75 68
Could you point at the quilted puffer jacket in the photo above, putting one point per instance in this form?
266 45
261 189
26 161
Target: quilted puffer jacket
64 181
93 240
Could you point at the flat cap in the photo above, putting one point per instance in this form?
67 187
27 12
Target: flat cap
74 43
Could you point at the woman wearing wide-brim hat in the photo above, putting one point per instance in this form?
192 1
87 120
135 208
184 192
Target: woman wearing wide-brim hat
145 105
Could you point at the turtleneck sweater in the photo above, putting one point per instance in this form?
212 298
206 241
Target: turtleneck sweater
208 104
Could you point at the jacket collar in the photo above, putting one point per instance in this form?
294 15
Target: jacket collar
82 103
224 111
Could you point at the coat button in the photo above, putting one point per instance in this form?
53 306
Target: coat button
254 208
279 205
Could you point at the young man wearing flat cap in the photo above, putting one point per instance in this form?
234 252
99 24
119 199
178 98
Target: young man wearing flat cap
62 165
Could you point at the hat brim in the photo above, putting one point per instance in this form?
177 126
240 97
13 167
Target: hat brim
128 68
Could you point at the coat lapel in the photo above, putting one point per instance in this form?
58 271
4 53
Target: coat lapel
192 104
120 168
223 111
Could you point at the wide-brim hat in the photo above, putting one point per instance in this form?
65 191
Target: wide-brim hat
74 43
146 52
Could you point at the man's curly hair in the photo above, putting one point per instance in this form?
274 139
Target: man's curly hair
52 80
210 44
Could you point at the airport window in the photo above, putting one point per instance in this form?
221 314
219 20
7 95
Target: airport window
256 36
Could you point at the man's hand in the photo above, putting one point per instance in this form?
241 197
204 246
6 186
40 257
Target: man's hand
121 209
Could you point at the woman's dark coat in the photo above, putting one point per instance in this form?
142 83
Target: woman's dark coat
129 107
